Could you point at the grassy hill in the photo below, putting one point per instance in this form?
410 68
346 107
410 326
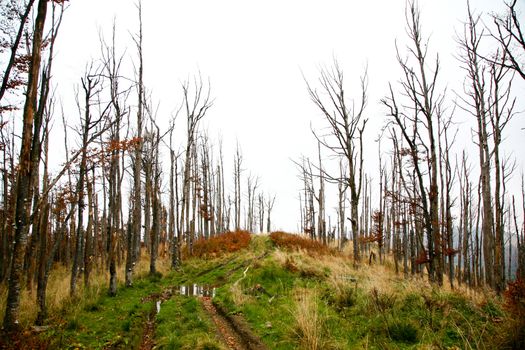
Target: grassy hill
276 292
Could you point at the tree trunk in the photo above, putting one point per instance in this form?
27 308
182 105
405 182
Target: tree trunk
24 178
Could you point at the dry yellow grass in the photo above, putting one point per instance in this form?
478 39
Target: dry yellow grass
381 277
238 296
309 324
58 289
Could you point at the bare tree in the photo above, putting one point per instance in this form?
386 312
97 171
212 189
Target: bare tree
8 80
252 184
88 124
196 102
133 241
24 174
270 201
346 123
237 170
510 36
419 85
488 99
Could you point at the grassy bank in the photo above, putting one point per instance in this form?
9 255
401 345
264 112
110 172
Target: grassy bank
291 295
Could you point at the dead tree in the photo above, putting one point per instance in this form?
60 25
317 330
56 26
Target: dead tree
511 37
174 216
220 199
113 150
237 170
24 174
346 124
447 179
261 211
133 241
321 214
341 205
488 100
308 225
418 127
477 93
500 114
88 125
155 198
196 102
270 201
11 74
465 224
252 184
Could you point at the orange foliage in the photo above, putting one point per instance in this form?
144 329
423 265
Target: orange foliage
515 297
422 258
218 245
295 242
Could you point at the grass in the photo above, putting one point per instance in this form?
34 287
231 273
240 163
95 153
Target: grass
316 299
308 320
182 324
291 298
106 321
58 295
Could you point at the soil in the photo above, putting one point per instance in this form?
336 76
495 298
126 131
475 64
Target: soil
27 339
233 330
148 333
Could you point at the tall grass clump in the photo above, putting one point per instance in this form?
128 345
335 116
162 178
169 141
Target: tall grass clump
308 320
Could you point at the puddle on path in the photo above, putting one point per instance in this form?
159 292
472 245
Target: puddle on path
197 290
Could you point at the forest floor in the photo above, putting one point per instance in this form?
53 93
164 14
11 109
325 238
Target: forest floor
278 292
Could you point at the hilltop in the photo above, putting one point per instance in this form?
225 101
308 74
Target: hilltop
276 291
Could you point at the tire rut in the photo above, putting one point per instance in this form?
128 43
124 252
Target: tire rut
233 330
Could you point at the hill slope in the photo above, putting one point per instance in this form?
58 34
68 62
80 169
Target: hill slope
275 296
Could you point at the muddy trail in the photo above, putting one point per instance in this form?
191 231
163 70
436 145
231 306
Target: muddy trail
232 330
148 332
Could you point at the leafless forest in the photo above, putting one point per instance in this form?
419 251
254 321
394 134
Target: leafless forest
128 186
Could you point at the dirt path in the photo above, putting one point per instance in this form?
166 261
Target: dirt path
233 330
148 333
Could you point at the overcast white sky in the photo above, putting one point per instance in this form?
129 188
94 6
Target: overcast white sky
254 53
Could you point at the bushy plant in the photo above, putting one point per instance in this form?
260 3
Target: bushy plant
515 297
403 332
515 305
341 298
220 244
294 242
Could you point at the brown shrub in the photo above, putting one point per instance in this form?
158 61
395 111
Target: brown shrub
294 242
515 297
515 305
218 245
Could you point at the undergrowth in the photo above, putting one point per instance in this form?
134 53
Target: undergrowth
182 324
345 308
295 242
58 291
218 245
293 295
